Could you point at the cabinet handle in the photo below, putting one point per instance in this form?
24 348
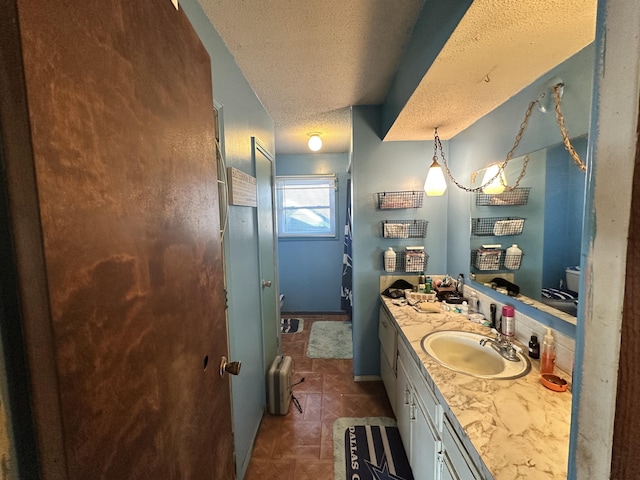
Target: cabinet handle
412 411
407 395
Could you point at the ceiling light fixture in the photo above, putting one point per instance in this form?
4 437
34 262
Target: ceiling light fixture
315 142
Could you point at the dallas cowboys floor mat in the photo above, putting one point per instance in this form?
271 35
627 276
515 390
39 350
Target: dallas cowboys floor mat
375 452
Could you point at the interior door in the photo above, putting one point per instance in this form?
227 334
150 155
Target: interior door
269 299
120 107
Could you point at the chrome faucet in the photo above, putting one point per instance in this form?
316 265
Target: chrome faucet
503 345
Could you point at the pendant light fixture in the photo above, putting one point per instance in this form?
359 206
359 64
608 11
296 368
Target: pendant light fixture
435 185
494 181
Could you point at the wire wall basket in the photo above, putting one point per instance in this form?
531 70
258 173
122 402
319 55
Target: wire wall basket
406 199
410 262
404 228
497 226
494 260
517 196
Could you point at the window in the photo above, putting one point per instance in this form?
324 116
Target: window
306 205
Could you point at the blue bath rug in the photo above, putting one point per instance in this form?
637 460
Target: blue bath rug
291 325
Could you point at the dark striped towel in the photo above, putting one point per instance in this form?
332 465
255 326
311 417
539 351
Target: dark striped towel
290 325
559 294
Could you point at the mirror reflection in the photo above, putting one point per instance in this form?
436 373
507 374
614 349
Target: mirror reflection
531 236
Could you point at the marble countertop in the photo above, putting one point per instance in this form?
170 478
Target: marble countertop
519 428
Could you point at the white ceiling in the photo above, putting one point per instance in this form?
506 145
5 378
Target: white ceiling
308 62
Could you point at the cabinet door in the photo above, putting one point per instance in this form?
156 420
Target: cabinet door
404 399
418 382
447 471
389 381
425 445
460 462
388 353
388 338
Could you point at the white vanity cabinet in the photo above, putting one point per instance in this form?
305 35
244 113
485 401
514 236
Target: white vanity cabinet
433 448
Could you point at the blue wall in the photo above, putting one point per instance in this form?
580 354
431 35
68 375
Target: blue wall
379 167
564 207
310 271
243 116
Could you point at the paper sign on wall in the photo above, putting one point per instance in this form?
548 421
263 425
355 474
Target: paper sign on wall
242 188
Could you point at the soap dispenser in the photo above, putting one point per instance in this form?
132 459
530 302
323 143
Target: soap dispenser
548 354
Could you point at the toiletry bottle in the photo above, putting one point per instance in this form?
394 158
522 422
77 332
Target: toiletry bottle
508 322
389 260
422 283
473 302
460 285
464 308
548 353
534 347
494 322
428 285
513 257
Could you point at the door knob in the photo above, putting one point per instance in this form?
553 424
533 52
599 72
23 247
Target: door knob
229 367
266 283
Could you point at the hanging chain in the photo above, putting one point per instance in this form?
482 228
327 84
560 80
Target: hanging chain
563 130
503 165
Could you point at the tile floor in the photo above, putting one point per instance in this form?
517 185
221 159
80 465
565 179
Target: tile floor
300 445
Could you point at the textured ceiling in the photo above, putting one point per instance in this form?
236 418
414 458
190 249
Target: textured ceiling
498 48
308 62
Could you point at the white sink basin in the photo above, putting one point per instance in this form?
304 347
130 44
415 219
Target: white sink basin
464 353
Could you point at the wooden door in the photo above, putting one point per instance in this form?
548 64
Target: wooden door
121 127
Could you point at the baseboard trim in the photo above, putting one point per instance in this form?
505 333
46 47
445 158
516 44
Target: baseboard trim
367 378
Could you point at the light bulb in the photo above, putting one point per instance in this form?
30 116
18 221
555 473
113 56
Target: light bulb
497 185
435 185
315 142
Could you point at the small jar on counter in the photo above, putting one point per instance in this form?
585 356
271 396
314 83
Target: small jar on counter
534 347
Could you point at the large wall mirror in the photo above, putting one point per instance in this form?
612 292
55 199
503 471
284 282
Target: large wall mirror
543 217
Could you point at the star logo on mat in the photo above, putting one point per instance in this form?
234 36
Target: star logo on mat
382 473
